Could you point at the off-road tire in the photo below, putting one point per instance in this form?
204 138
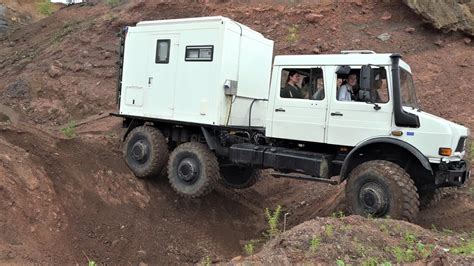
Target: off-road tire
395 192
430 197
238 177
150 145
204 165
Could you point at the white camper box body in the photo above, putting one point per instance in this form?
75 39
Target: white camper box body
193 91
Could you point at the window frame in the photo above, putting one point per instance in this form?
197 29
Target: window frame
359 67
198 47
157 51
311 69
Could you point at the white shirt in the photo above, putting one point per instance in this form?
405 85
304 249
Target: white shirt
345 93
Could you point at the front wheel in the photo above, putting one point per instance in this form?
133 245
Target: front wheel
382 189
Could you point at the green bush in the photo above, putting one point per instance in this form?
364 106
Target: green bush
314 244
249 248
70 130
45 8
273 218
113 3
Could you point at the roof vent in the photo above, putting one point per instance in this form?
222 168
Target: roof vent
357 52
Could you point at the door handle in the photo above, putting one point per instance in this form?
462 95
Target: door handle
280 110
150 79
337 114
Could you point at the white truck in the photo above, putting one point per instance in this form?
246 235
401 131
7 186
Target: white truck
201 102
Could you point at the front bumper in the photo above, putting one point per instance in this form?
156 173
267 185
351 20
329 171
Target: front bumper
452 174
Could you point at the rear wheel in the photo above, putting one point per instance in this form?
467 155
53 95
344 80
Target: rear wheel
239 177
145 151
193 170
382 188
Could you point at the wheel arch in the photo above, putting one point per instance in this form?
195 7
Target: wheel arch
130 124
400 152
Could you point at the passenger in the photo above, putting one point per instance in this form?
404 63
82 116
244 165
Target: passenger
319 94
291 89
346 92
372 95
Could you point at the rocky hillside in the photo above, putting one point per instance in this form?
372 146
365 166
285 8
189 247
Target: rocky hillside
70 199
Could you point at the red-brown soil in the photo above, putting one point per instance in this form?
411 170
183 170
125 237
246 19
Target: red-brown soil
63 200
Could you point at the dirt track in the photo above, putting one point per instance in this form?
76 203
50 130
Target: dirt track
64 200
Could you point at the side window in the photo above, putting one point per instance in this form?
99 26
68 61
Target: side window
199 53
302 83
348 87
162 51
379 93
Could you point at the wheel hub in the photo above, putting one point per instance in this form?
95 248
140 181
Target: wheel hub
374 199
188 170
140 151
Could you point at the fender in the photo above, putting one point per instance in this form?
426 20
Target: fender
213 143
406 146
130 124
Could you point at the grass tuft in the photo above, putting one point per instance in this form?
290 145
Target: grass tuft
70 130
273 219
45 8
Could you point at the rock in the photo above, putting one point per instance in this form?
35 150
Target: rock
313 18
384 37
410 30
439 42
54 71
141 254
19 89
316 50
467 40
386 16
450 15
236 259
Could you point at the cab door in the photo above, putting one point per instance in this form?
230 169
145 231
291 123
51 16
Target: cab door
161 78
351 122
304 118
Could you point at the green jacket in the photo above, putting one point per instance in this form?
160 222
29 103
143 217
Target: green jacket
291 92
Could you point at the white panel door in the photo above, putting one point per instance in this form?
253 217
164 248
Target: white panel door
351 122
299 119
161 79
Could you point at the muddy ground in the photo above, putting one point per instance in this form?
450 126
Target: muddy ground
66 200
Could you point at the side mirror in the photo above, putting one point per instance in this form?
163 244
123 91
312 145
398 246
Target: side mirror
366 77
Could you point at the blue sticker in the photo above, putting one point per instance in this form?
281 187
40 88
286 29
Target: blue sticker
410 133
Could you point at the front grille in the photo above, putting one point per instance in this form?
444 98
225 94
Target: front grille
461 143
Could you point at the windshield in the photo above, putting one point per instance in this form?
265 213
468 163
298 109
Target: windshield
407 89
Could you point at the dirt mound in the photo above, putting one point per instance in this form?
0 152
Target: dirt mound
361 241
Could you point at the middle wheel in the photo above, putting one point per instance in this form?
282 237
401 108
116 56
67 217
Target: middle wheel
193 170
239 177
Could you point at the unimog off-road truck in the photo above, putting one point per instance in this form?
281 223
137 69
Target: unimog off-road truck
202 103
